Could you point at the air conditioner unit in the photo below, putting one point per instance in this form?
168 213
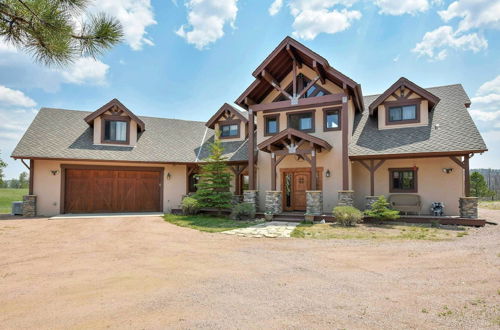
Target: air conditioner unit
17 208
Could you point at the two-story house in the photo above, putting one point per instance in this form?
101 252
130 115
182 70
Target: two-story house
301 137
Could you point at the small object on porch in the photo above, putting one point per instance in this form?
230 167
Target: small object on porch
406 203
437 209
309 217
17 208
322 221
269 216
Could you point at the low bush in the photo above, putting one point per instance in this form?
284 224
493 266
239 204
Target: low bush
347 216
380 210
243 211
190 206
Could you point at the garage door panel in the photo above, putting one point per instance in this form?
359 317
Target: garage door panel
108 190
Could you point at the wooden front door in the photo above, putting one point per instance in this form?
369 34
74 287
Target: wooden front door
102 190
295 183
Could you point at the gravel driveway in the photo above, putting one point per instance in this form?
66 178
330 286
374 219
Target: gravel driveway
148 274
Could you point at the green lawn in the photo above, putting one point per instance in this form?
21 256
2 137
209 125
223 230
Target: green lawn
7 196
492 205
207 223
398 231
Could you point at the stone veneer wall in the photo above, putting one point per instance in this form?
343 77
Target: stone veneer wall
29 205
273 202
314 200
346 198
369 201
251 197
468 207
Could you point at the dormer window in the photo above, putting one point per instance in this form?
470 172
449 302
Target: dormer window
271 125
403 114
115 130
230 131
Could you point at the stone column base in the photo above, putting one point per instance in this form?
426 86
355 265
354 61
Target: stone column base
346 198
468 207
369 200
29 205
273 202
314 200
251 197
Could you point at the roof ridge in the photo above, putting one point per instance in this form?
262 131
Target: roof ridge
449 85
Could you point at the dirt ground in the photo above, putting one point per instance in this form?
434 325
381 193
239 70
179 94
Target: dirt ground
148 274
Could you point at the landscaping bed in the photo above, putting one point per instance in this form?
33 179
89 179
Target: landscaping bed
207 223
394 231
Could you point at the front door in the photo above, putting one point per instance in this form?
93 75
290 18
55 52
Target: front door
295 183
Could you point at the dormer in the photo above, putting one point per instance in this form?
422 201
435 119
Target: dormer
115 125
404 104
232 124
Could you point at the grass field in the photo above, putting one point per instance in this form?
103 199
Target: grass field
7 196
207 223
492 205
398 231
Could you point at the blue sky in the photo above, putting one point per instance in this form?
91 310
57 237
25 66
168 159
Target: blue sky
184 59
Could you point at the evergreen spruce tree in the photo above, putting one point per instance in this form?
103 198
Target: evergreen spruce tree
380 210
47 29
215 179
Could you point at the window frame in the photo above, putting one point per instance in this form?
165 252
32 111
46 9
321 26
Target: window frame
326 112
230 123
313 121
403 169
400 104
107 118
272 116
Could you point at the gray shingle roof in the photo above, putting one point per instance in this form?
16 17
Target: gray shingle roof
58 133
456 132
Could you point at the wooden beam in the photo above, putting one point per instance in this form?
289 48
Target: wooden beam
458 161
372 168
345 143
467 176
273 171
24 163
32 176
251 147
295 58
294 83
319 72
314 185
270 79
302 103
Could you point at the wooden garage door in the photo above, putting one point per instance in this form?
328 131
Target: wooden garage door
92 190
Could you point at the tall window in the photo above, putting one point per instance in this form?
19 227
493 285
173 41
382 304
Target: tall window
115 131
331 119
193 181
272 125
403 113
232 130
403 180
301 121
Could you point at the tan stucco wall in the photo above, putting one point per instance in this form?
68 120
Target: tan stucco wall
424 113
47 187
433 184
97 127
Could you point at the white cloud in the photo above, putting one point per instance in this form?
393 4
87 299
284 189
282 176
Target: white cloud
86 70
12 97
485 115
206 21
398 7
473 14
134 15
492 86
312 17
444 37
275 7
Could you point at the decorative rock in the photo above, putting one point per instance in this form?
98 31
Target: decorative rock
314 200
252 197
468 207
369 201
346 198
273 202
29 205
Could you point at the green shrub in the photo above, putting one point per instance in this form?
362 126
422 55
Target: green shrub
380 210
243 211
190 206
347 215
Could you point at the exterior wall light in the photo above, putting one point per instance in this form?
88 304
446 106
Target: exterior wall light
327 174
447 170
169 176
54 172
